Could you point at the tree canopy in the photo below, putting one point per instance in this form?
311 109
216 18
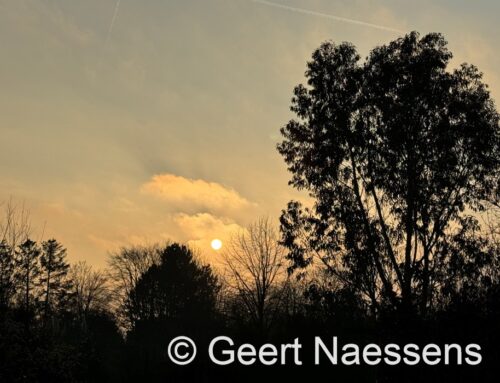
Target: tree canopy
400 154
176 291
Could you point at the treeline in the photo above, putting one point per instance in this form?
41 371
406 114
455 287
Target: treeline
56 322
69 323
34 278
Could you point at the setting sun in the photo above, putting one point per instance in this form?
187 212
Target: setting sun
216 244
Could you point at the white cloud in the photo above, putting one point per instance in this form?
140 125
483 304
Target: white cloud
188 194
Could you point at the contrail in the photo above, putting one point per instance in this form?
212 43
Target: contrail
112 24
327 16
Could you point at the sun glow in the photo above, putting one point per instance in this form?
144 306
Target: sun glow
216 244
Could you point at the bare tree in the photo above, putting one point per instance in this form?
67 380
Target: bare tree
92 289
15 224
256 271
125 267
15 229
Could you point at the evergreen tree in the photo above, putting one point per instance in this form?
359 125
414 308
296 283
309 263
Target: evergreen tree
6 275
54 270
27 264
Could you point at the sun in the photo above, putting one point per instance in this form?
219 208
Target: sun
216 244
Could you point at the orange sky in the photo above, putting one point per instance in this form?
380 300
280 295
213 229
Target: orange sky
158 120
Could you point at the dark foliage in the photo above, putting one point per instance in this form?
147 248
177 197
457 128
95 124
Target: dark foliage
400 156
177 296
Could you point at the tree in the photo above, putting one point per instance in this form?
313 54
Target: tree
256 267
54 270
399 155
91 290
178 290
177 296
125 269
27 272
6 275
15 225
15 228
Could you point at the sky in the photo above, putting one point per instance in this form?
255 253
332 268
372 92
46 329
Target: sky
130 122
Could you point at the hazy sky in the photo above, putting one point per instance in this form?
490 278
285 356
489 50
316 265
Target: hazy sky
145 120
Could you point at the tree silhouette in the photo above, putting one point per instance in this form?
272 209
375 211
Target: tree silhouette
15 224
177 296
178 290
256 267
28 271
54 269
7 283
92 293
125 268
398 154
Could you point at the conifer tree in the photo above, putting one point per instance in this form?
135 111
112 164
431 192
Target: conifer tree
54 269
27 263
6 275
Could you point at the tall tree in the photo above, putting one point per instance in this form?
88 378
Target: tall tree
54 270
125 268
179 290
6 275
257 271
27 272
399 154
92 290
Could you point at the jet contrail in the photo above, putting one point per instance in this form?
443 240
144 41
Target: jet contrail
327 16
112 24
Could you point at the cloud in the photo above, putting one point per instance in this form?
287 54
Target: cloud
199 230
205 226
187 194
